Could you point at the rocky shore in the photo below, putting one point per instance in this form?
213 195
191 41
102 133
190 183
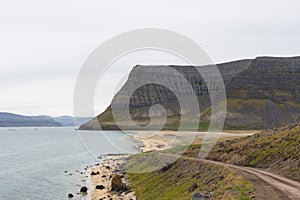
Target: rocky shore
109 179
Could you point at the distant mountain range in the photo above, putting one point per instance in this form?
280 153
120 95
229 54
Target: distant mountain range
15 120
261 93
71 121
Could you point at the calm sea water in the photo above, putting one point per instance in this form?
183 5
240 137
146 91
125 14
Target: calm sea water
34 160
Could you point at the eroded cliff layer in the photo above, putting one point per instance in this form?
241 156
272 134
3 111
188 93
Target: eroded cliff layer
261 93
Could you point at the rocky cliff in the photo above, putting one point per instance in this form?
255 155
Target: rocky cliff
261 93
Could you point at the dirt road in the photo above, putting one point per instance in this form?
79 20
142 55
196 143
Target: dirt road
269 186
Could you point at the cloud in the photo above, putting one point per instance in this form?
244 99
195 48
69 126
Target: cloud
44 43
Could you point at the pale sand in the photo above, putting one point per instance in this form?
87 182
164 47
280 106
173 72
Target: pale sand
167 139
106 194
151 141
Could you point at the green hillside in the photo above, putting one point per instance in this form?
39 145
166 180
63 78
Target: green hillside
276 150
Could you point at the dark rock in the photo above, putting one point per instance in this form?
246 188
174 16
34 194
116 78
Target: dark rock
83 189
201 196
117 184
100 187
103 176
193 187
127 192
94 173
70 195
222 177
166 167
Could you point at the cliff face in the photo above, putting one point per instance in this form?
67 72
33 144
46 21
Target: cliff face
261 93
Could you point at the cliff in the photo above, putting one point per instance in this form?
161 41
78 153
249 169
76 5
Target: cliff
261 93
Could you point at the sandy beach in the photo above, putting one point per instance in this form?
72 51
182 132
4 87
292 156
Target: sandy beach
167 139
102 174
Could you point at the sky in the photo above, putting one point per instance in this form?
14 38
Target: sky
45 43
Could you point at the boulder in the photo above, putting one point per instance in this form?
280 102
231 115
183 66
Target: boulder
100 187
94 173
83 189
117 184
70 195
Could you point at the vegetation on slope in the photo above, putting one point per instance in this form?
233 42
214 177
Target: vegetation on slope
276 150
182 178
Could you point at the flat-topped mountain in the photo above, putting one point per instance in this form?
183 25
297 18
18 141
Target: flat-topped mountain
261 93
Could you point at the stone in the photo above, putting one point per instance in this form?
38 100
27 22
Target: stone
70 195
201 196
117 184
94 173
83 189
100 187
193 187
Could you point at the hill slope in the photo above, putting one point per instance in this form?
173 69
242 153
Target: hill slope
276 150
14 120
261 93
184 178
70 121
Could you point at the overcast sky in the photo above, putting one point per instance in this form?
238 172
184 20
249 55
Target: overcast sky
44 43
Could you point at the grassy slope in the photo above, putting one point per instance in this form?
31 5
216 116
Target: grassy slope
175 180
276 150
241 115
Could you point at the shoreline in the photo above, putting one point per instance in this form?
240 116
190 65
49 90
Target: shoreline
102 174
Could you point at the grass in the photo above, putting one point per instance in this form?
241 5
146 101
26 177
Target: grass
174 180
277 149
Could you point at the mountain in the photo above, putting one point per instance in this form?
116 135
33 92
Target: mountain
261 93
70 121
14 120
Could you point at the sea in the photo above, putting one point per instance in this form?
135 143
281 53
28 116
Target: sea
49 162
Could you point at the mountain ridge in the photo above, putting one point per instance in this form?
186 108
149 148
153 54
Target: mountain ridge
15 120
261 93
8 119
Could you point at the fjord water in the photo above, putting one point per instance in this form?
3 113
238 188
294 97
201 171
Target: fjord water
34 160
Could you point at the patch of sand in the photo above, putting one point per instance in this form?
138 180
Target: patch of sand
152 140
107 170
